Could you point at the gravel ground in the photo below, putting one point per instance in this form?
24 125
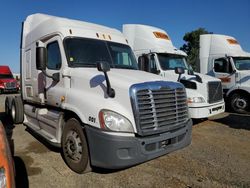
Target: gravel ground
219 156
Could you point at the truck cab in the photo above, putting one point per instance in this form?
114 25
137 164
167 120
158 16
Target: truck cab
222 57
156 54
7 82
82 91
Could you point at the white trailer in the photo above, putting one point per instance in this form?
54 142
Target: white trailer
106 119
156 54
221 56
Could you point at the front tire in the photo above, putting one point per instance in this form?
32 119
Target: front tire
239 103
74 146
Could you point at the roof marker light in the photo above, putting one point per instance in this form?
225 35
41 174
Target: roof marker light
161 35
232 41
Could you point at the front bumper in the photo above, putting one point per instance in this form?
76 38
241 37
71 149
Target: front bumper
206 111
114 152
8 90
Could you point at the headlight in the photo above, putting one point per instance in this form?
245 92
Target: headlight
3 180
113 121
195 100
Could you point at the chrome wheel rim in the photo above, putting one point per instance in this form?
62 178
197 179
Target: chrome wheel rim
73 146
240 103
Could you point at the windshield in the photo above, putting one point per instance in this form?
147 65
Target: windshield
242 63
6 76
170 61
85 52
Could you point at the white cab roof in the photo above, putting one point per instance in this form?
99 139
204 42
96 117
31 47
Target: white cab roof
215 44
146 39
38 26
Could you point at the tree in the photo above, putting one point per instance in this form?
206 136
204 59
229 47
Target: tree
191 46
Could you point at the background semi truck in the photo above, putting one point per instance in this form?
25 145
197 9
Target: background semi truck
221 56
7 82
156 54
112 119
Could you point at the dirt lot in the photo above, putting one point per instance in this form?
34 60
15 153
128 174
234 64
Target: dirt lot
219 156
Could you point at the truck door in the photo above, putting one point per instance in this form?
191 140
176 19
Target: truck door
54 91
223 70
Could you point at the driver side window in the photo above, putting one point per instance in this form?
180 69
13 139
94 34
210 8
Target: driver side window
222 65
54 61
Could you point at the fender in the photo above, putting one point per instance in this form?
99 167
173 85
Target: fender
237 88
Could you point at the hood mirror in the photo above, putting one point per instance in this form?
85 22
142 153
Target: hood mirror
180 71
104 67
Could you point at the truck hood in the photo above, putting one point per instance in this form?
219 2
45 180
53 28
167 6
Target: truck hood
6 80
120 78
88 92
202 88
172 76
129 77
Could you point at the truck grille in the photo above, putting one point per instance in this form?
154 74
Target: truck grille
10 85
214 92
159 107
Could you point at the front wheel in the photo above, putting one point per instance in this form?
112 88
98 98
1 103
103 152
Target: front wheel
74 146
239 103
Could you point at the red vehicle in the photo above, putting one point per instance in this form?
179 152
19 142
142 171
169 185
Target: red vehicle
7 176
7 81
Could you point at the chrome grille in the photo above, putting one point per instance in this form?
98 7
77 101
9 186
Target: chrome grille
159 107
10 85
214 92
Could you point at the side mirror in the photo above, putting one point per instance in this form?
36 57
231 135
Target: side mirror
143 63
41 61
103 66
180 71
41 58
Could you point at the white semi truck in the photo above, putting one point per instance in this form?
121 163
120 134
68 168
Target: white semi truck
156 54
112 119
221 56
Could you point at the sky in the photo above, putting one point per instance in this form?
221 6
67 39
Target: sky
177 17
